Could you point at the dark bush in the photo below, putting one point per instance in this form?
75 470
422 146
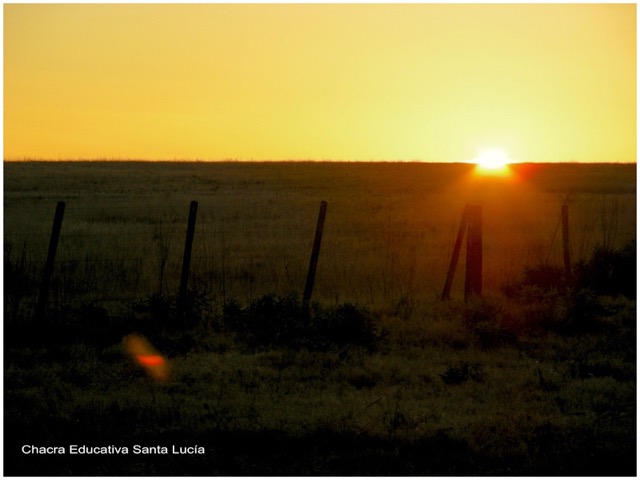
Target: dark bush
175 325
278 321
609 271
272 321
485 319
348 325
269 320
171 310
554 300
233 315
542 279
464 371
481 312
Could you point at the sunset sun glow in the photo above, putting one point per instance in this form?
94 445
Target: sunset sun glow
493 161
410 82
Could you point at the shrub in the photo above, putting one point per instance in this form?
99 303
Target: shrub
272 321
171 310
269 320
539 280
485 318
174 325
550 298
462 372
609 271
348 324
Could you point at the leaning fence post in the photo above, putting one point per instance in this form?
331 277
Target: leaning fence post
48 266
186 259
454 257
315 252
473 274
565 238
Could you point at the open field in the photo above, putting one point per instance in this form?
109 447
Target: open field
388 237
381 377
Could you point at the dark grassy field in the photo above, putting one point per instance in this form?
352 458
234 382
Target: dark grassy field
379 377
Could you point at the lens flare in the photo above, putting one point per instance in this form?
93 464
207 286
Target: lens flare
145 355
150 360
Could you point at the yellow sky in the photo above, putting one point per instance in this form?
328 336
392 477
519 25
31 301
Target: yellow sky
545 82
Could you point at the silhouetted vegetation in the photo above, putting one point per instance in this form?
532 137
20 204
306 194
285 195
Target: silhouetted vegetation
272 321
609 271
551 298
462 372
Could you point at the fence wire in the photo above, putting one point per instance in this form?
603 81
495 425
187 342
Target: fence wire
126 253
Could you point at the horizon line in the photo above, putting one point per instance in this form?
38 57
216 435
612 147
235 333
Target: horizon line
236 160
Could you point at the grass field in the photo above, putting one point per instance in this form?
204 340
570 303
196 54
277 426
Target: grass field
381 377
388 237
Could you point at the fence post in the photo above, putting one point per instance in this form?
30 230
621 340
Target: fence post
315 252
48 266
456 254
186 259
565 238
473 274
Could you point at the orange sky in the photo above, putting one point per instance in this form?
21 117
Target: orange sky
545 82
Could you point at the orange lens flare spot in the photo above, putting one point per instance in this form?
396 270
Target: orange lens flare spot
145 355
150 360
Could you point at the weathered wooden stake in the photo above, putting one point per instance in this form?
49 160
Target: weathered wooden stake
473 274
315 252
565 238
454 257
186 259
48 266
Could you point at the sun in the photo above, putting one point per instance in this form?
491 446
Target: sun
494 161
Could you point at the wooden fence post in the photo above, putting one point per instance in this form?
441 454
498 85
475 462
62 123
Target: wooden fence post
565 238
186 259
315 252
456 254
473 274
48 266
